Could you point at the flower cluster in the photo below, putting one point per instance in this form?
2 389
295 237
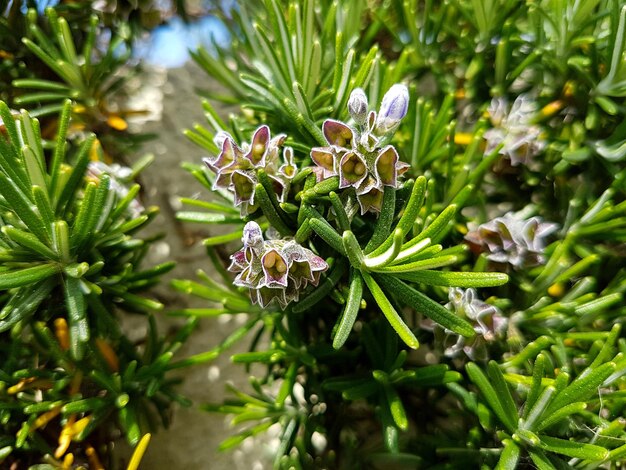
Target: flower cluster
521 138
358 154
512 239
236 167
488 321
274 269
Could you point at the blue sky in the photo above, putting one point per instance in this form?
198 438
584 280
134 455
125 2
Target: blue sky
168 45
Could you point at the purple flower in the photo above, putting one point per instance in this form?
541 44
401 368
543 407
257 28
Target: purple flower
393 108
512 239
358 156
236 167
274 270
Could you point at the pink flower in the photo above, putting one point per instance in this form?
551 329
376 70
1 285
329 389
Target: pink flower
236 167
274 270
358 155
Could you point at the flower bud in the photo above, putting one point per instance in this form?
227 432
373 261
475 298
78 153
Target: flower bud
220 137
357 106
393 109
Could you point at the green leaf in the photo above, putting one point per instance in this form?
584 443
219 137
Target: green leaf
426 306
411 210
59 149
23 277
206 217
61 239
287 385
491 396
77 316
124 203
84 406
30 241
535 387
237 439
24 208
271 211
8 120
79 228
353 250
531 350
24 302
379 262
509 457
390 313
328 234
539 407
33 167
455 279
128 420
78 172
429 376
340 211
350 311
390 431
321 189
425 264
540 460
574 449
438 227
383 226
42 201
582 387
39 84
396 407
504 394
560 414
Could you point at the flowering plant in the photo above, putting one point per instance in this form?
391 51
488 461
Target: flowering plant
425 221
446 224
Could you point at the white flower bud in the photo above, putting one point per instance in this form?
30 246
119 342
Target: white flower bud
357 106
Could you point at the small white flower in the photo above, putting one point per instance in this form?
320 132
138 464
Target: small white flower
488 321
521 139
513 239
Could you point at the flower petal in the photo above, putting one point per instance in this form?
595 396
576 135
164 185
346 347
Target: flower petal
238 261
280 186
243 183
386 166
275 268
352 170
226 157
338 134
288 169
325 159
259 146
368 184
370 201
266 295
